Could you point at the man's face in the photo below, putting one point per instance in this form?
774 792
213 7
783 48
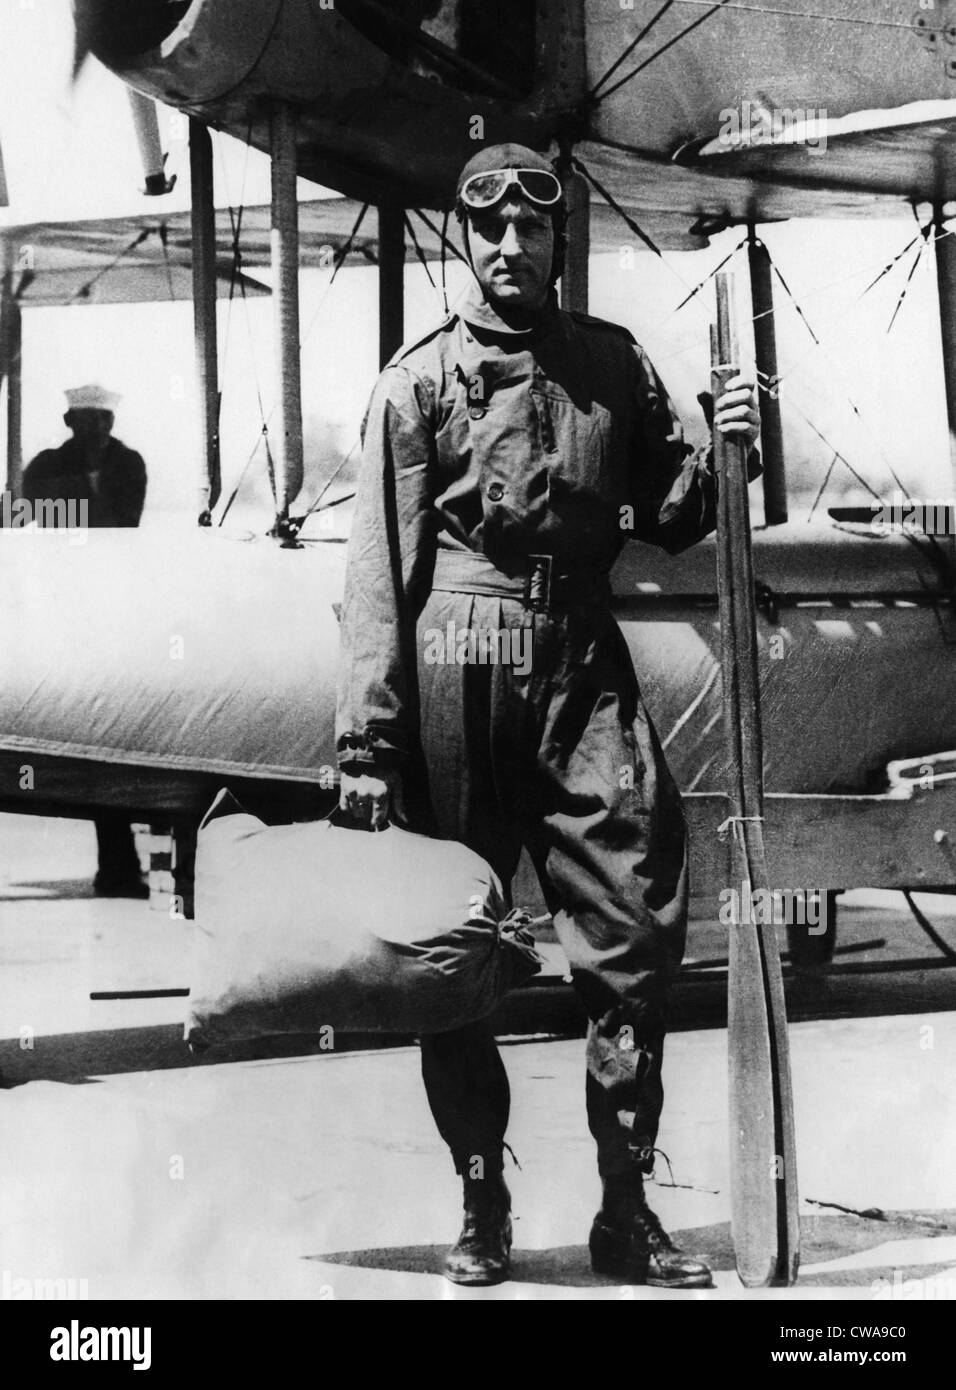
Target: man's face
90 427
512 248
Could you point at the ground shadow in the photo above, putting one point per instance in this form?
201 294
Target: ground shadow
74 1057
570 1265
823 1239
53 889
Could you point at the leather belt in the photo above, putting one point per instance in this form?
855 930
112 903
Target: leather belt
535 580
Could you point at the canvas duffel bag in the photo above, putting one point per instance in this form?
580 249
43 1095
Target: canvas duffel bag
301 928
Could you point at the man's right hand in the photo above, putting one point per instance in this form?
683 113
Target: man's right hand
372 800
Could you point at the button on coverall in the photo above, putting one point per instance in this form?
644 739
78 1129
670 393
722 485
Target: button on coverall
559 441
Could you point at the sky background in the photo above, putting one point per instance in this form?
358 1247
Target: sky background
72 155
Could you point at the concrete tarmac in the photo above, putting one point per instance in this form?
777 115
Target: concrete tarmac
321 1176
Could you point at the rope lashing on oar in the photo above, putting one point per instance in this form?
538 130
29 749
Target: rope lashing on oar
735 822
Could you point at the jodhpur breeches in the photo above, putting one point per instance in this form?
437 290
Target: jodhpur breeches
557 754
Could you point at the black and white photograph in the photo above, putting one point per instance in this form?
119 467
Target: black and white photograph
478 662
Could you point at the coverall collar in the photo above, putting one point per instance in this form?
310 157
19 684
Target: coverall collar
479 313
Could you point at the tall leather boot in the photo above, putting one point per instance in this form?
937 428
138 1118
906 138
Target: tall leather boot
483 1252
629 1242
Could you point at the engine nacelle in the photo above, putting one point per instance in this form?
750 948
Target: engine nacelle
389 93
200 53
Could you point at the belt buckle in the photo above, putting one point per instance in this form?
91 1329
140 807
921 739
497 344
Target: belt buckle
537 589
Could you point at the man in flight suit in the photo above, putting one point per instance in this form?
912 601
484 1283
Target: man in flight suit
507 457
99 471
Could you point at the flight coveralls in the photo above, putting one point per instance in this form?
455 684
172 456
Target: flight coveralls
484 447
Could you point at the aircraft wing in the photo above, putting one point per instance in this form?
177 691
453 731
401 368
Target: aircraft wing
113 261
147 258
898 152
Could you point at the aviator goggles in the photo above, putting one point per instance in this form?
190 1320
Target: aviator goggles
537 185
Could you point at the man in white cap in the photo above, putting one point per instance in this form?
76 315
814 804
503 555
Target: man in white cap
92 466
95 468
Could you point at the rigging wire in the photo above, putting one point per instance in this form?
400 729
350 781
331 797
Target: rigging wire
792 405
942 946
823 486
162 231
85 288
325 487
790 295
418 250
794 366
702 19
886 270
340 258
444 259
445 240
707 279
853 406
909 279
812 293
937 553
235 224
263 437
662 358
630 49
810 14
629 221
937 556
616 207
264 434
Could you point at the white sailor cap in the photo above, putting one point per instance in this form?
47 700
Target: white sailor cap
92 397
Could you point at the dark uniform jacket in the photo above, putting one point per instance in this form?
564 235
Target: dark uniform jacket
114 494
561 441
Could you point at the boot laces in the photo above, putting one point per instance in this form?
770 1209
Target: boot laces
652 1229
485 1222
486 1208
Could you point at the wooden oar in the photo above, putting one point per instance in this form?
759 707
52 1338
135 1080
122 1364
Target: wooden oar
763 1171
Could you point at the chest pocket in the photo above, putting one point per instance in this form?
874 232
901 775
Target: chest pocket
578 446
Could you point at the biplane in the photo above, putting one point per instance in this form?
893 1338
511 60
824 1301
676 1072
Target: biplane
672 122
145 675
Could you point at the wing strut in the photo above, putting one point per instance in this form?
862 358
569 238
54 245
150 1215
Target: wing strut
203 215
391 280
11 347
574 277
146 126
285 299
946 281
